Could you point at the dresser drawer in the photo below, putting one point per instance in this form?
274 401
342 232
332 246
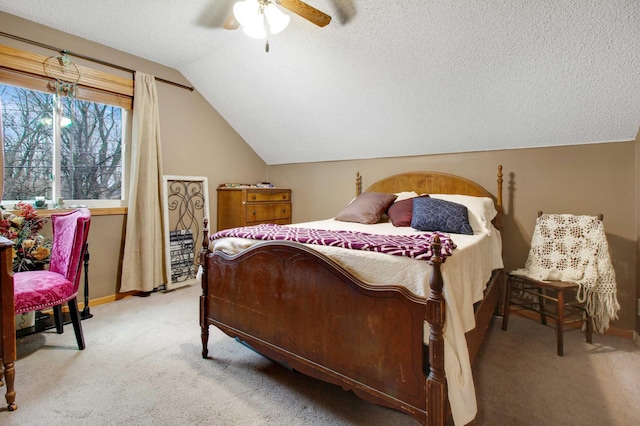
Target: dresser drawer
268 196
272 212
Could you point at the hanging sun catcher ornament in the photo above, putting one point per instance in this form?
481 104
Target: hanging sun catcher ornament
65 73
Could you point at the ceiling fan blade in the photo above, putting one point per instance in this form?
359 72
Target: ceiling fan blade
307 12
231 23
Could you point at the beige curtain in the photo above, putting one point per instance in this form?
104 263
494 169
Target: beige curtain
142 266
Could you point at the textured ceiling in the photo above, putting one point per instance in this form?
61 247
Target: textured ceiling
390 78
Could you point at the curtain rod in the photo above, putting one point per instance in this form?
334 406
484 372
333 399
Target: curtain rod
88 58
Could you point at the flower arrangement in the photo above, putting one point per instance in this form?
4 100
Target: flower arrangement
30 250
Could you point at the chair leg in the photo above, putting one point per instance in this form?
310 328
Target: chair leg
543 315
75 319
57 315
560 325
589 330
507 304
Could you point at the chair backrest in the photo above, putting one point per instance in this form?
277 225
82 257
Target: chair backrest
70 231
600 215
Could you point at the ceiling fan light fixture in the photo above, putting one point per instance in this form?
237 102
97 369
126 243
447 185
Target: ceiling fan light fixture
245 11
255 27
256 15
277 20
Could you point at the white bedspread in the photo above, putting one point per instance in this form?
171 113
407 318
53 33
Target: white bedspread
465 275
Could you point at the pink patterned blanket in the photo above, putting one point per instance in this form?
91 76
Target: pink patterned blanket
414 246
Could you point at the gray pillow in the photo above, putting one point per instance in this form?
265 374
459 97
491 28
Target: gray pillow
367 207
432 214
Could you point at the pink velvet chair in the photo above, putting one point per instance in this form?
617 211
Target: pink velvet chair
36 290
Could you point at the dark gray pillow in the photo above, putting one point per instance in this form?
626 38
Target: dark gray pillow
367 207
432 214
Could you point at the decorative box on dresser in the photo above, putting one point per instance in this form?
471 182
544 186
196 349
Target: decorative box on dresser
249 205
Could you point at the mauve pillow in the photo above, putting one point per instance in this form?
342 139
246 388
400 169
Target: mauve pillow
400 212
432 214
368 207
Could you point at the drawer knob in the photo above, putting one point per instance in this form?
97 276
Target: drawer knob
284 210
253 197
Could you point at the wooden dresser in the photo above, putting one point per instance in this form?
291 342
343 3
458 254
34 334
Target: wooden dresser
244 206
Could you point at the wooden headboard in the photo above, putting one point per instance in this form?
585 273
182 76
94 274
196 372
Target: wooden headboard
436 183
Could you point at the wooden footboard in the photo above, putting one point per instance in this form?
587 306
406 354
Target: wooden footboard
311 314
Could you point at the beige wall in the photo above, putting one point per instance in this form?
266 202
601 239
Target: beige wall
585 179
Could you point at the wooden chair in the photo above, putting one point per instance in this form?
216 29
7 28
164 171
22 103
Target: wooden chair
36 290
567 309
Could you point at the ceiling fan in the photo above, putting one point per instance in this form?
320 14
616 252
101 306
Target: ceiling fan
256 16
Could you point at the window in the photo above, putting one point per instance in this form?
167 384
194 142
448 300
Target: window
78 160
61 143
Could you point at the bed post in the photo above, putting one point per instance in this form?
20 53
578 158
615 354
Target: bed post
358 184
435 316
498 223
204 251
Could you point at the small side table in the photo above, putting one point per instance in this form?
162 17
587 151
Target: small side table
86 312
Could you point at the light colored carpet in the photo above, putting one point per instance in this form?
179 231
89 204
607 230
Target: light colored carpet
142 366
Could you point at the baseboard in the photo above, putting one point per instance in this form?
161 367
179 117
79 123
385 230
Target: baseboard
612 331
620 332
112 298
98 301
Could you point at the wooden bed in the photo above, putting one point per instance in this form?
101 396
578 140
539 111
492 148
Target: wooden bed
298 307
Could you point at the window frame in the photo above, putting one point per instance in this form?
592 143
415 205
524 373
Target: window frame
25 69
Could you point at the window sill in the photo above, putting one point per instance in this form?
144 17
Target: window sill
95 211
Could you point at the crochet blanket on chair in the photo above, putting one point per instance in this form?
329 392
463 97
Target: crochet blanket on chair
574 248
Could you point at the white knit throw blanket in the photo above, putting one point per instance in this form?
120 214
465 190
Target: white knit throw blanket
574 248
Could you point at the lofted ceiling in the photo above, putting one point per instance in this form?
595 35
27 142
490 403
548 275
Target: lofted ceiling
390 78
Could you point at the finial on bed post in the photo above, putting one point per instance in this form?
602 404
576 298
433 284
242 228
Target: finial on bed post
435 316
358 184
205 236
498 223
